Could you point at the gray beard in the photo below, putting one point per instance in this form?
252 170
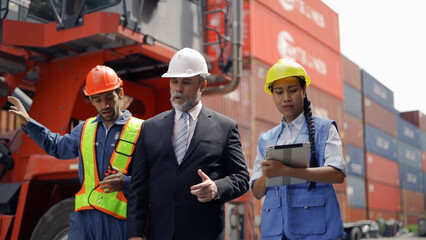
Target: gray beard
188 104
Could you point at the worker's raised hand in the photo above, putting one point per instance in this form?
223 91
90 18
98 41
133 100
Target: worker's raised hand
113 182
206 190
18 109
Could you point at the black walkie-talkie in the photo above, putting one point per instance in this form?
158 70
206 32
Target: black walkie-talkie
110 169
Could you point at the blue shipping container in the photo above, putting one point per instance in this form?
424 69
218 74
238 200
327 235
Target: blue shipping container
408 132
379 142
409 155
424 183
423 140
410 179
355 161
424 186
352 101
355 190
377 91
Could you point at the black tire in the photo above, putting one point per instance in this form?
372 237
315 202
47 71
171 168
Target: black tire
55 223
356 233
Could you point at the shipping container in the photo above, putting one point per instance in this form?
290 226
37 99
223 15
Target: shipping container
356 214
245 138
355 163
410 179
417 118
246 30
263 104
356 191
379 117
413 218
423 140
377 91
381 196
408 132
381 170
375 214
351 73
326 106
412 201
424 161
272 38
235 104
312 16
424 186
379 142
409 155
424 182
352 131
343 204
352 101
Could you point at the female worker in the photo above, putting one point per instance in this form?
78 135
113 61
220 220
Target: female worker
306 210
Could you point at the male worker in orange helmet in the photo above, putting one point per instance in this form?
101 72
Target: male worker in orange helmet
101 204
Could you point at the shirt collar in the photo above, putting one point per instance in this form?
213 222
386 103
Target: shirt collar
193 112
120 121
297 123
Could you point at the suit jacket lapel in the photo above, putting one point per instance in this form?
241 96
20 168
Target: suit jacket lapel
167 131
204 121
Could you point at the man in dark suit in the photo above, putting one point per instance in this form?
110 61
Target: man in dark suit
179 187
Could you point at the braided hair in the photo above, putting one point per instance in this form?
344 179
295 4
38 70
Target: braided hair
311 126
307 111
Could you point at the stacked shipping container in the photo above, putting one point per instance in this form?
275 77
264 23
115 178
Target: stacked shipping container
380 149
353 139
412 155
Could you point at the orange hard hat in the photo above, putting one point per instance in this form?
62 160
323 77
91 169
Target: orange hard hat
101 79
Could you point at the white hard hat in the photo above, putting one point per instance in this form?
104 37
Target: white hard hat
187 62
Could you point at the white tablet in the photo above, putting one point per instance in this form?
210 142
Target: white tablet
293 155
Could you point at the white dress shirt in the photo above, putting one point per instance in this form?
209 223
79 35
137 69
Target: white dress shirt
193 118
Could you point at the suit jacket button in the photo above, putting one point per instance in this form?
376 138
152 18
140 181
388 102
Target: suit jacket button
176 199
178 173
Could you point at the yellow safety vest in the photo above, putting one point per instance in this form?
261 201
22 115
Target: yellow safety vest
114 204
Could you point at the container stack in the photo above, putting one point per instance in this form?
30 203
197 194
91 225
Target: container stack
412 157
380 149
352 135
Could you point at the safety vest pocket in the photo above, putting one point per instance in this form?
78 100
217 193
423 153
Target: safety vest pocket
271 225
307 214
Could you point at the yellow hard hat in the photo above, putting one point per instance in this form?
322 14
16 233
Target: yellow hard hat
282 69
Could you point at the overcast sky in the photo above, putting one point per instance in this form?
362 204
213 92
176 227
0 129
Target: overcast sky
387 38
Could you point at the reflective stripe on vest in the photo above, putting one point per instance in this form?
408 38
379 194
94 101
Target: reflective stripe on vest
115 203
